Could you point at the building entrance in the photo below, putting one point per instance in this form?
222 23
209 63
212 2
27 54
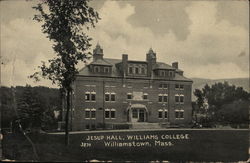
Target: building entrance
137 114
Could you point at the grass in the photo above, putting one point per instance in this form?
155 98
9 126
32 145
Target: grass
204 145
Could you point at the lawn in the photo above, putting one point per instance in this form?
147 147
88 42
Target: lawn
202 145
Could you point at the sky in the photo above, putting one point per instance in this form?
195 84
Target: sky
209 39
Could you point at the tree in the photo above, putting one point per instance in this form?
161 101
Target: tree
29 110
220 97
64 22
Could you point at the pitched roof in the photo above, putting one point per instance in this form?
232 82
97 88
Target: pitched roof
85 71
101 62
161 65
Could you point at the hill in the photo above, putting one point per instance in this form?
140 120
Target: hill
199 83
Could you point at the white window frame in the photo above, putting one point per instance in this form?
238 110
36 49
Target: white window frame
93 110
107 93
87 109
160 110
146 94
112 93
165 111
131 96
179 110
107 110
112 110
89 96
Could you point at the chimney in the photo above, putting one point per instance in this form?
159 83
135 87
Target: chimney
151 59
97 52
175 65
125 64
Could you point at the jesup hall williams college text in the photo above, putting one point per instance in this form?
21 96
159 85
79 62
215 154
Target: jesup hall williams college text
122 93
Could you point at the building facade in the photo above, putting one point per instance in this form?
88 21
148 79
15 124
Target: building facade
122 91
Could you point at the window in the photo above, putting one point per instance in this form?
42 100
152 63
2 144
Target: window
87 126
107 113
129 96
179 98
134 113
97 69
93 113
87 96
163 98
90 96
162 73
179 87
145 96
130 70
87 113
171 73
90 113
93 96
179 114
160 97
106 70
137 70
112 96
166 114
106 96
163 86
112 113
142 70
160 114
109 96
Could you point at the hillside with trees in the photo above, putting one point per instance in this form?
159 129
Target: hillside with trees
223 104
30 105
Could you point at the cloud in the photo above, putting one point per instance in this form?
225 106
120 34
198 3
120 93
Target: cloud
23 46
210 49
210 43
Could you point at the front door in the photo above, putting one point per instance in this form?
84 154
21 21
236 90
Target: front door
138 115
141 115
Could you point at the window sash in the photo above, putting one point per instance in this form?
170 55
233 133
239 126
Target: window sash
112 98
130 70
129 96
160 114
134 113
112 113
93 113
165 98
87 96
166 114
92 97
107 97
87 113
107 115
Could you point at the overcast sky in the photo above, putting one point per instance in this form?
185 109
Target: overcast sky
209 39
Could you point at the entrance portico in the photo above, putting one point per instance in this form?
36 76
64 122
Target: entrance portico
137 113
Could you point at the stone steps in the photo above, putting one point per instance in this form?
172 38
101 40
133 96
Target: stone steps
146 125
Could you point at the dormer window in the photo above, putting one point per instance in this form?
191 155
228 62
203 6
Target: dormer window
97 69
137 70
162 73
130 70
106 70
171 73
142 70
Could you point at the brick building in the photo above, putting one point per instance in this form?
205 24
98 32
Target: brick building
121 91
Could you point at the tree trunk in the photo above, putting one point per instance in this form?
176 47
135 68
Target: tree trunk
67 119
